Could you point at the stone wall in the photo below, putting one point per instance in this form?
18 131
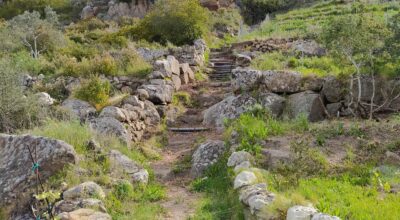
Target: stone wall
290 94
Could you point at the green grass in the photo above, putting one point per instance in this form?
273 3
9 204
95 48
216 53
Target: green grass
220 201
349 201
307 66
306 22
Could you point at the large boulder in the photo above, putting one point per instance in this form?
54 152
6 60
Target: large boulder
282 81
307 103
245 79
17 179
333 89
120 162
110 126
159 94
163 67
274 103
206 154
79 108
229 108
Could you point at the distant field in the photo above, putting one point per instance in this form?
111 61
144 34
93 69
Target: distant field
303 22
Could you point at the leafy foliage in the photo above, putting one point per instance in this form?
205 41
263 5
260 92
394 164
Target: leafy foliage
95 91
38 35
176 21
255 11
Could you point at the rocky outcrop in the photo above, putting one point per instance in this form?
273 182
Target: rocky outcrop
123 165
206 154
17 178
229 108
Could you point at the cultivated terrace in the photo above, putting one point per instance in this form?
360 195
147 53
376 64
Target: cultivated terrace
199 110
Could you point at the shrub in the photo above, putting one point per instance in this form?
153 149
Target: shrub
16 110
94 91
176 21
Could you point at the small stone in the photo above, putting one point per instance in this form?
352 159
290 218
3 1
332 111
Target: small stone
237 158
300 213
245 178
84 190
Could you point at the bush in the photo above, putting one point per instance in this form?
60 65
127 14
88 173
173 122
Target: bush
94 91
176 21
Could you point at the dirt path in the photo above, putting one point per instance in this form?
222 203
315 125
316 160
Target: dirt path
173 170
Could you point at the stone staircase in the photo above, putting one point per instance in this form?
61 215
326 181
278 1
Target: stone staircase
222 62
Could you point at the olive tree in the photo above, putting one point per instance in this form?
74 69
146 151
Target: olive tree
38 35
356 39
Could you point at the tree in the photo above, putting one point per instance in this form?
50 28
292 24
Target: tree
255 11
357 39
176 21
38 35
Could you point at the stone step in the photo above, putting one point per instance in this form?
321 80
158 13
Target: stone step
187 129
220 84
219 57
222 68
222 72
219 75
